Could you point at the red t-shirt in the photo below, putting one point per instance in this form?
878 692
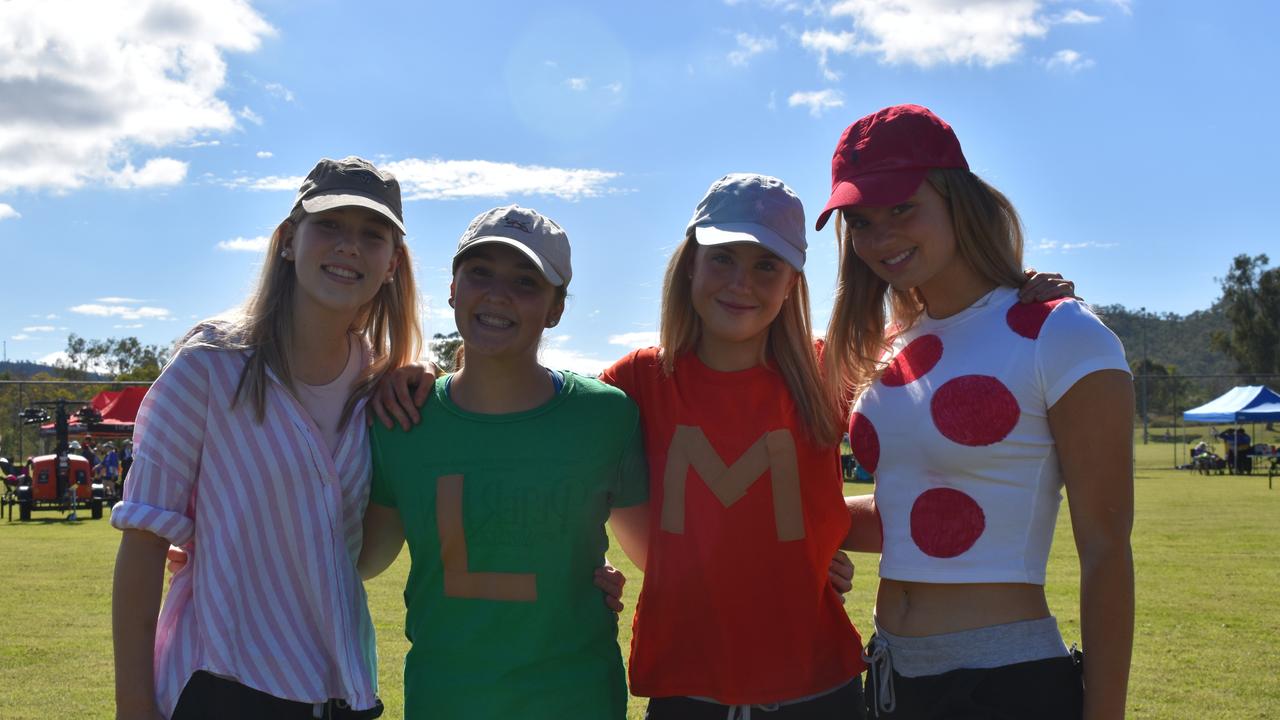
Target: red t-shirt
746 513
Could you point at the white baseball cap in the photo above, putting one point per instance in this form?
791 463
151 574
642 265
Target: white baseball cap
745 207
530 232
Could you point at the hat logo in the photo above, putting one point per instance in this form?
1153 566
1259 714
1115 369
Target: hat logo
517 224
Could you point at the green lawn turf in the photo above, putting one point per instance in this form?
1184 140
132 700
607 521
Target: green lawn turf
1207 551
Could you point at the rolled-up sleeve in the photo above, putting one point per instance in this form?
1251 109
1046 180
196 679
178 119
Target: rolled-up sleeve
168 441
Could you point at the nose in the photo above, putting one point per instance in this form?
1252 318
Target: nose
349 241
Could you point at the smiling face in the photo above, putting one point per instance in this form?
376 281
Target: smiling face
911 245
737 291
341 258
502 303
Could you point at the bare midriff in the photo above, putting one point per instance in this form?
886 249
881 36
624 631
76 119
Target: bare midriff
914 609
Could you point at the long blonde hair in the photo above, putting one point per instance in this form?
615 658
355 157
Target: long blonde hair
264 325
789 346
988 236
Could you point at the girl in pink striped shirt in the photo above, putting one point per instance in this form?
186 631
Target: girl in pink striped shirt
252 446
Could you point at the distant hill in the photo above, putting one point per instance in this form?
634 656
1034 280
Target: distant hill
1182 341
21 369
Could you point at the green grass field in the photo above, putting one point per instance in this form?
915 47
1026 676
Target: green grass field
1207 551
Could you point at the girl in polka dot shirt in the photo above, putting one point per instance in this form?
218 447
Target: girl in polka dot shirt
974 411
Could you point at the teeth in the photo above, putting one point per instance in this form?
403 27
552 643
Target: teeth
899 258
342 272
494 321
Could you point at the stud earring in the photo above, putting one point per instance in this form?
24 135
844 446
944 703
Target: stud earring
285 253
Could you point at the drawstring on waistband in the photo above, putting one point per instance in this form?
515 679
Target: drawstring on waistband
880 674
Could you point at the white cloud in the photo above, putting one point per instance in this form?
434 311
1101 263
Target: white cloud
157 171
554 354
1068 60
7 212
280 91
247 113
113 300
203 143
1077 17
577 84
1050 246
818 101
437 179
633 340
264 154
271 182
929 32
614 87
130 326
38 328
121 311
824 43
86 87
20 337
53 358
51 316
242 244
749 46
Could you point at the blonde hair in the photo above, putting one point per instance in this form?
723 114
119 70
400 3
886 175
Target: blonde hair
789 346
264 325
988 236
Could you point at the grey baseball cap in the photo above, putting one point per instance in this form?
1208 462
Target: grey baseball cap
351 181
745 207
530 232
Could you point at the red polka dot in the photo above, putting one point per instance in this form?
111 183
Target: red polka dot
864 441
945 522
1027 319
974 410
916 359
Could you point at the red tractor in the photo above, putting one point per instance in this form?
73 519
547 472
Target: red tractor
62 480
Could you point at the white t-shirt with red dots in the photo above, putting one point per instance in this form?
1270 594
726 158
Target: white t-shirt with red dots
956 432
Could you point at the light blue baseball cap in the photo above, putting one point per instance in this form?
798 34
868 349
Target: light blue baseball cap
745 207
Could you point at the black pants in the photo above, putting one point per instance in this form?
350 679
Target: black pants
1048 689
843 704
209 697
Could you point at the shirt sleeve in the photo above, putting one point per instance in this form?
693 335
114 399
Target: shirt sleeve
169 437
1073 344
633 471
622 374
380 489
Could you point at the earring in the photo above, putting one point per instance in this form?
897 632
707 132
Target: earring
389 280
451 302
285 253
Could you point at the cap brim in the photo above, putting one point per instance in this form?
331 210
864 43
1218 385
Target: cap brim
725 233
320 203
874 189
543 266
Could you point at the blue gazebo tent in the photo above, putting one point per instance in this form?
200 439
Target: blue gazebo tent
1232 406
1267 412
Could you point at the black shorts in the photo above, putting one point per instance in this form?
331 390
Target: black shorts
843 704
1050 689
209 697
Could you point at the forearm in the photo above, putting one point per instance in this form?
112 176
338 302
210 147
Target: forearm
865 534
383 539
1106 612
135 604
631 527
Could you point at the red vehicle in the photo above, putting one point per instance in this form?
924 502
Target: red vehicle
61 481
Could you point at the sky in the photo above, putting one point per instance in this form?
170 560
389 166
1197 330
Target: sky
149 147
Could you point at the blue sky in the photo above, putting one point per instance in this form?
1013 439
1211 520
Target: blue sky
148 147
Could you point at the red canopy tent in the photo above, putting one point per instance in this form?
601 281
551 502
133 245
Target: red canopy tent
119 409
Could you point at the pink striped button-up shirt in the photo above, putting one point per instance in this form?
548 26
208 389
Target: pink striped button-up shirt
271 597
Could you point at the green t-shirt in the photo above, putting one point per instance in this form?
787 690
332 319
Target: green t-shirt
504 516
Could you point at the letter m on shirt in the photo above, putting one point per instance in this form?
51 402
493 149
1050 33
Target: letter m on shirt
774 452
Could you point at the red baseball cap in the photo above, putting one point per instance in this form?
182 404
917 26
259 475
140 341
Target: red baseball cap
882 158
